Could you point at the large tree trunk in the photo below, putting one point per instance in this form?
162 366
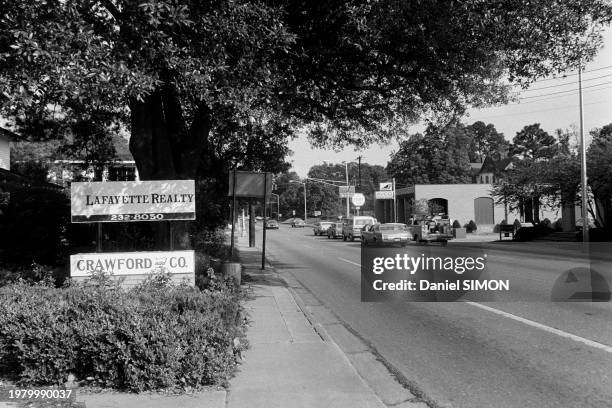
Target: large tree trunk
165 148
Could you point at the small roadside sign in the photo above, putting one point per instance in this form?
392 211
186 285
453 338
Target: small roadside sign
383 195
358 199
346 191
388 186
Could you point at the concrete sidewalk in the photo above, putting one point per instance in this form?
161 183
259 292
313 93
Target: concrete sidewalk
289 364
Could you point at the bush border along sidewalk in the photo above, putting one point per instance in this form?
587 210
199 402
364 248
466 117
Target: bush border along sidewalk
155 336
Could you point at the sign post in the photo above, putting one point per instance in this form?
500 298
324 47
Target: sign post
263 245
233 212
134 201
252 184
358 200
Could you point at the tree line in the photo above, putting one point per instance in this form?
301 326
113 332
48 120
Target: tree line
203 87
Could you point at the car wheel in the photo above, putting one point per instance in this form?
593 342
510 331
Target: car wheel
352 238
364 242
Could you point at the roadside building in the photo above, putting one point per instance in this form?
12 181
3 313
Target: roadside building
62 171
462 202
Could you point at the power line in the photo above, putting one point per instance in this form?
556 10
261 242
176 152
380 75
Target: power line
570 90
570 75
547 110
569 83
560 96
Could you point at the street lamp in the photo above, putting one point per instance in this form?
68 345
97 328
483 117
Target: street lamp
304 184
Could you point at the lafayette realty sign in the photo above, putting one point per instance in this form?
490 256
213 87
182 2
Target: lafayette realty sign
122 201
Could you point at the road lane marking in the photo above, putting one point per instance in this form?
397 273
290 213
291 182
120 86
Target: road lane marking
541 326
528 322
351 262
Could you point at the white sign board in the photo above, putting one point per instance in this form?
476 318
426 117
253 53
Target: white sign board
123 201
132 263
385 186
346 191
358 199
383 195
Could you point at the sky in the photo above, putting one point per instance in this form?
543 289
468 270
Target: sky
554 103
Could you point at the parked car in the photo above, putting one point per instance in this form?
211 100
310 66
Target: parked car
271 224
385 234
320 228
351 227
298 223
334 231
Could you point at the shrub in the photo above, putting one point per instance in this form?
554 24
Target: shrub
154 336
211 242
558 225
502 222
531 233
456 224
470 226
517 224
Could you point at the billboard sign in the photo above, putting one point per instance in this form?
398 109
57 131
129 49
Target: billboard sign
250 184
385 186
126 201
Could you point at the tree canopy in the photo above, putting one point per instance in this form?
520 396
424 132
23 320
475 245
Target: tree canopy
533 142
439 156
177 72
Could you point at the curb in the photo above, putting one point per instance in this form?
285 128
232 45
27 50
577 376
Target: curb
391 387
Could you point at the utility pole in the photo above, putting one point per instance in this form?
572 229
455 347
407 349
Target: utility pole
583 164
348 210
359 171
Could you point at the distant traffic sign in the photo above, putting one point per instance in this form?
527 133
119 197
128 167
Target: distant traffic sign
358 199
346 191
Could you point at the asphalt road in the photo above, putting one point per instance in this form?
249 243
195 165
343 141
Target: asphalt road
504 353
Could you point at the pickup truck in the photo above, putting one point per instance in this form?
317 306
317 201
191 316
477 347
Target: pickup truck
427 231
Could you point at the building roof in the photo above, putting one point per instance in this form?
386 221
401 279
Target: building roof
8 134
491 166
10 180
475 168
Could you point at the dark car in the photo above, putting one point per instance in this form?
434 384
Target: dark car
271 224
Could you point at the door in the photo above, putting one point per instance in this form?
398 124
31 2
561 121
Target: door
483 210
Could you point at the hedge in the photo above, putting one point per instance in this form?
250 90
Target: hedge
152 337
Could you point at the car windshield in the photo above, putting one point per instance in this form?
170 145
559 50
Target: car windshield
393 227
362 222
